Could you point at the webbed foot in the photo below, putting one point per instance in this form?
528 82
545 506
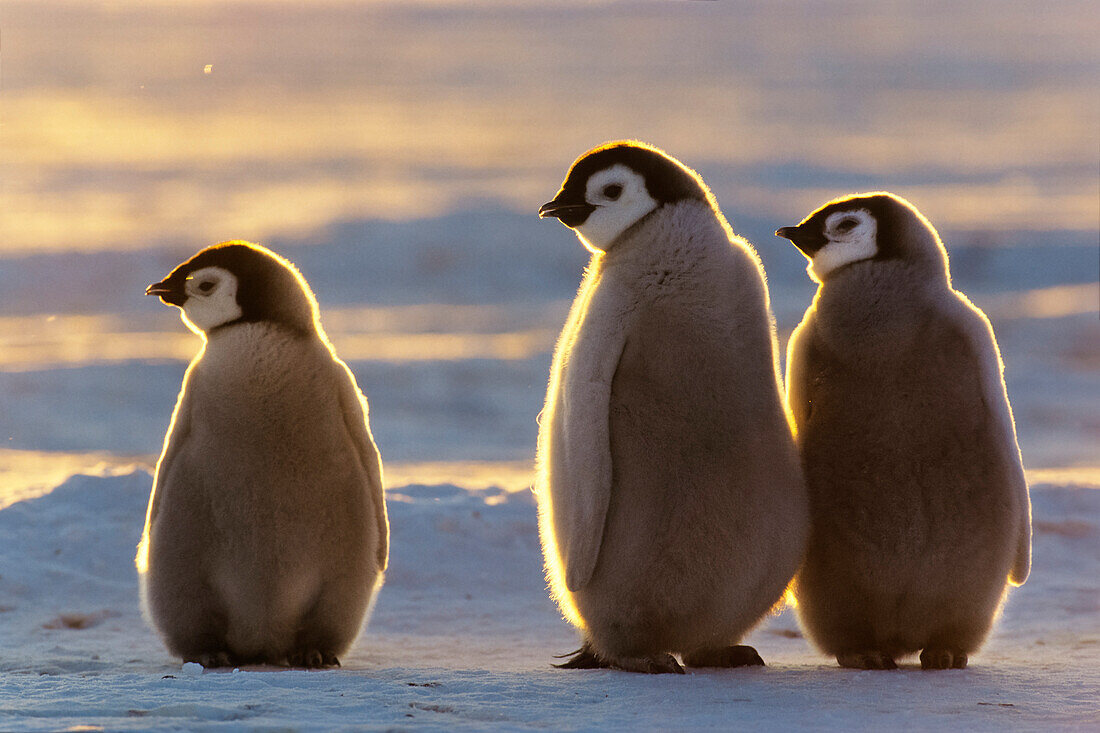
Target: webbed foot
586 658
866 660
933 658
738 655
658 664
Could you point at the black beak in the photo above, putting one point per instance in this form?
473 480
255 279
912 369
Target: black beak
570 214
807 241
557 209
166 292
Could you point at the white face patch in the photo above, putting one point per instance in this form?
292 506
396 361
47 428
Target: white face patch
211 299
620 197
851 238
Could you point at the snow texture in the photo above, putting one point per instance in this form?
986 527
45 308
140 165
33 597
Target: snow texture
463 634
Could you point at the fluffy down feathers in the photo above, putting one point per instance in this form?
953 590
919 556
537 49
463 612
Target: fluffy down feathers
266 535
918 499
672 509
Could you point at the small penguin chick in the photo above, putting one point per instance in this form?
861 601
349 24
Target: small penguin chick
615 186
874 226
919 502
266 536
672 510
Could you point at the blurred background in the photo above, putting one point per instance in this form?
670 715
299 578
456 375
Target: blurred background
398 151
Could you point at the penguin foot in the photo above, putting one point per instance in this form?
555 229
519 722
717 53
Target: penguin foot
727 656
583 658
312 659
658 664
866 660
586 658
942 659
211 659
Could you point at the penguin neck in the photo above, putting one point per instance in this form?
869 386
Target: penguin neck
240 333
878 305
672 236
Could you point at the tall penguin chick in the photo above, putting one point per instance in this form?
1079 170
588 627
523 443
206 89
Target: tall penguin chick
919 505
266 535
672 509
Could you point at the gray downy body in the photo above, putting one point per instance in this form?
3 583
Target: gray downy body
707 519
914 479
267 531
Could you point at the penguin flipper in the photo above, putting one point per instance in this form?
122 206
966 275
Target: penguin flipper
980 346
805 362
354 407
178 432
583 491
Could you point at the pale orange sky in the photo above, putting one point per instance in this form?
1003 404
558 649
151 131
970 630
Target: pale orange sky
986 114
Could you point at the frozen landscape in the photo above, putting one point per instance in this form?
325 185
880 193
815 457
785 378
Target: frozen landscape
415 224
463 633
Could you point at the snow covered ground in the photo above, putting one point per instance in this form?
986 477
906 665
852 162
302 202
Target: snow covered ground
463 634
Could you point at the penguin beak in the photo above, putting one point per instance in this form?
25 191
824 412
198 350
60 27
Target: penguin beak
167 293
570 214
807 241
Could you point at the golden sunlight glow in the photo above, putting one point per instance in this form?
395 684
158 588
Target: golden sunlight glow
1054 302
1083 477
553 565
283 132
430 332
443 347
27 474
512 476
43 341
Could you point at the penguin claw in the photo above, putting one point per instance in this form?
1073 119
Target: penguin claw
933 658
866 660
312 659
739 655
586 658
583 658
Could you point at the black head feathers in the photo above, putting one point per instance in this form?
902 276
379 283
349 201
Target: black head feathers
667 180
269 287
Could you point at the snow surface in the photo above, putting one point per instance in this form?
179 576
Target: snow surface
463 634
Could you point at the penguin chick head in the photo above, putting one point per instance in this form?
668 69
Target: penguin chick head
612 187
238 282
868 226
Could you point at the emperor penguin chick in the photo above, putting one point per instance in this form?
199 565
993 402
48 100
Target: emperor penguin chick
672 509
266 535
919 507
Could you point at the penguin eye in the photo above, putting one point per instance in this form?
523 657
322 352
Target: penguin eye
612 191
206 286
846 226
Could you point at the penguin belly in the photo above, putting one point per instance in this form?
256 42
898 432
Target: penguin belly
912 540
707 518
